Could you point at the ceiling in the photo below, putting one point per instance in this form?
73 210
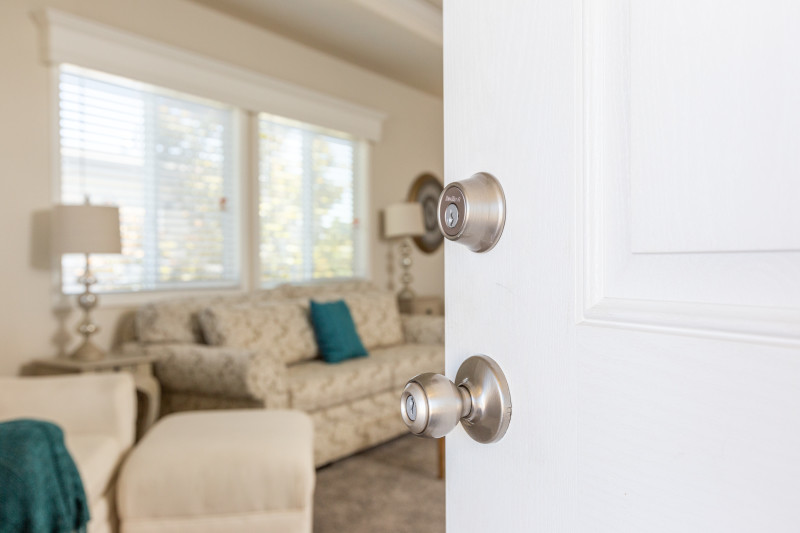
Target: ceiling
400 39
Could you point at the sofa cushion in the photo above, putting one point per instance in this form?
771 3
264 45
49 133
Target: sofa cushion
96 457
335 332
375 314
408 360
316 384
377 318
281 326
175 320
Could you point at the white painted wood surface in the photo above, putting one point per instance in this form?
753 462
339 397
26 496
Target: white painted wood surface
644 300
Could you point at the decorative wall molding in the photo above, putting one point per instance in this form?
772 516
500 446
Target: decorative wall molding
71 39
610 276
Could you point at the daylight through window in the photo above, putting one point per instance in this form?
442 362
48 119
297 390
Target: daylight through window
167 160
309 183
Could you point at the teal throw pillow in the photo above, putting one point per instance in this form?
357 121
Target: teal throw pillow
336 332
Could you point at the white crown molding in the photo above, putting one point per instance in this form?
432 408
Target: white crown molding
417 16
71 39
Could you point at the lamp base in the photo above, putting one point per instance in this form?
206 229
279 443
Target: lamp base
405 300
87 301
88 351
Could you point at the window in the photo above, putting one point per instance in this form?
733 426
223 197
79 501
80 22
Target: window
167 160
309 184
173 163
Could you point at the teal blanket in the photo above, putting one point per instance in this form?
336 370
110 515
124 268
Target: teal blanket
40 487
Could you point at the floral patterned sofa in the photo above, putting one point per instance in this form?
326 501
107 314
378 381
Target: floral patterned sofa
257 350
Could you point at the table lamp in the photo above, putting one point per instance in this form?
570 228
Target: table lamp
86 229
402 221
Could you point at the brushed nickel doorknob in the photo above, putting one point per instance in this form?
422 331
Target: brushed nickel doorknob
431 405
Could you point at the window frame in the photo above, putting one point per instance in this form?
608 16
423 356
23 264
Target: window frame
246 141
241 176
68 38
361 165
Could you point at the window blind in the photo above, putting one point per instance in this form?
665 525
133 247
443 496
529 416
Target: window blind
309 205
168 161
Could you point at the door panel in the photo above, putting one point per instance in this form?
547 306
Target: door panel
683 434
715 101
688 209
644 299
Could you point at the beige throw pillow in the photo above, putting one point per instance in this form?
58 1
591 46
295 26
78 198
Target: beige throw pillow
282 327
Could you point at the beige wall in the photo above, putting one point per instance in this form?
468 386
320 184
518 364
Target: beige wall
29 328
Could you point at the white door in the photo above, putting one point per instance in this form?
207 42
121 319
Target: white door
644 299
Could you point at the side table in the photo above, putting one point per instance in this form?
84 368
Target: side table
141 366
427 305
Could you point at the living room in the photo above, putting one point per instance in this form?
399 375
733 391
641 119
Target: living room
620 255
241 162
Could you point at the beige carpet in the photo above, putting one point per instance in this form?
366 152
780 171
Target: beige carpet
392 488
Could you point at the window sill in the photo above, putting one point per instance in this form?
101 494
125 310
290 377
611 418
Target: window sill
123 300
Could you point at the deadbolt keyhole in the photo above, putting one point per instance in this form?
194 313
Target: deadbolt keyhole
451 216
411 408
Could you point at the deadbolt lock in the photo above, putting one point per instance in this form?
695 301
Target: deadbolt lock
473 212
431 405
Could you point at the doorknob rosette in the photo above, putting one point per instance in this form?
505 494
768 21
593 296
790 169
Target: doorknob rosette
431 405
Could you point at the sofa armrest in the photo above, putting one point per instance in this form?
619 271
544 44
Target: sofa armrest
423 329
221 371
96 404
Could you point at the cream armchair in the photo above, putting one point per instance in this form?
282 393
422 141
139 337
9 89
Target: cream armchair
97 414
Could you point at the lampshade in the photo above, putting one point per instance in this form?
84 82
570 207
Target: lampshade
403 220
86 229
